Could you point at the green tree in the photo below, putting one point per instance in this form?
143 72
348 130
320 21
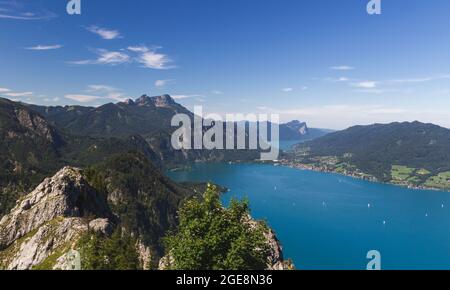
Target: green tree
117 252
211 236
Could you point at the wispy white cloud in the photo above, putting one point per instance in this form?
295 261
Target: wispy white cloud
182 97
150 58
47 100
162 83
82 98
341 116
138 48
97 93
155 60
393 85
107 34
19 95
45 47
342 67
112 57
217 92
290 90
366 84
105 57
12 10
107 92
27 16
96 88
419 80
81 62
16 95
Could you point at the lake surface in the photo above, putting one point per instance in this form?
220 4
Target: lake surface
327 221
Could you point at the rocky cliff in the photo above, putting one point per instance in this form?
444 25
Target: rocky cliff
51 222
46 224
124 199
276 259
125 193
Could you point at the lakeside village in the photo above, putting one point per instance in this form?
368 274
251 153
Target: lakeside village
332 164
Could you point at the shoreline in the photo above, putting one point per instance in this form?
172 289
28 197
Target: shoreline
361 176
307 167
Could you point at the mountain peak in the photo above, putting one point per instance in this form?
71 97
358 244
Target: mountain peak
157 101
296 122
128 102
298 126
143 100
164 101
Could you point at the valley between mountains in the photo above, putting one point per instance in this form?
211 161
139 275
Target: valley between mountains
91 179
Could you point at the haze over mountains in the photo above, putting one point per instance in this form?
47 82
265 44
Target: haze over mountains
149 117
145 116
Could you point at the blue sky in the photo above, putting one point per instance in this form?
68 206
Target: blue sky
325 62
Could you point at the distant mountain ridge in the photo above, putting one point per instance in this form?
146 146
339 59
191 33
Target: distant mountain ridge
146 115
299 131
421 151
149 117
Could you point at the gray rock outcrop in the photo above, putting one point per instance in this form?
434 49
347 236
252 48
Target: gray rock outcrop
49 221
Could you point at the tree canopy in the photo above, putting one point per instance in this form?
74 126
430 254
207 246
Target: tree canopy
211 236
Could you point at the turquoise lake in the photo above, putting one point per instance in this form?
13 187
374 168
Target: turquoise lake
328 221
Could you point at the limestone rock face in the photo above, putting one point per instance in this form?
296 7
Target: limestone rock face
145 255
51 219
102 225
33 250
36 124
66 194
275 260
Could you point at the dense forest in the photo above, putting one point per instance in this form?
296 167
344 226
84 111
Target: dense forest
381 150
